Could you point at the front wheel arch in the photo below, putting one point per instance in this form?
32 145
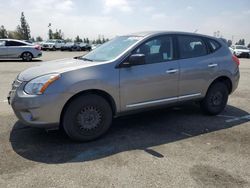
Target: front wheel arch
100 93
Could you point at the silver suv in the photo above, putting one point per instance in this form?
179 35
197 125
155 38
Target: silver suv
125 75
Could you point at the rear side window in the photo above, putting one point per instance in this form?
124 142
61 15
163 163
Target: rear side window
191 46
214 45
14 43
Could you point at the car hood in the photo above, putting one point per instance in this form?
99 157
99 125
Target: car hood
242 50
57 66
48 43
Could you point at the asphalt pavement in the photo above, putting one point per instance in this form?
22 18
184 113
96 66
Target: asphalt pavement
172 147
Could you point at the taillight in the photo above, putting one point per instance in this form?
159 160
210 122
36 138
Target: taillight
236 60
37 47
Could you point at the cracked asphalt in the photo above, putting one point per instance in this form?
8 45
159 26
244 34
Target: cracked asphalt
172 147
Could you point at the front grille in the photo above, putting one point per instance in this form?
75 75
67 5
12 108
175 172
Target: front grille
244 53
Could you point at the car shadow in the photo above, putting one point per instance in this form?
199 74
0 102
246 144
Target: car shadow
134 132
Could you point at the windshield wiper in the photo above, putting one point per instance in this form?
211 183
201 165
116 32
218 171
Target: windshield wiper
85 59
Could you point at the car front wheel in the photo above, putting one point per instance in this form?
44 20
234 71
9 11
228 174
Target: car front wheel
216 99
87 117
27 56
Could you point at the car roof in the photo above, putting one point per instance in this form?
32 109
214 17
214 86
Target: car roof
155 33
15 40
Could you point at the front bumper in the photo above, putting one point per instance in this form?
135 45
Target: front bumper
41 111
242 54
47 47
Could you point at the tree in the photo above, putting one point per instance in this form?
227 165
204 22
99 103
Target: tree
240 42
78 39
229 43
103 40
50 33
14 35
3 32
32 39
23 30
98 41
39 39
58 34
87 40
68 40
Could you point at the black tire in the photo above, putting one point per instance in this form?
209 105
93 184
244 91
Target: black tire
27 56
87 117
54 48
216 99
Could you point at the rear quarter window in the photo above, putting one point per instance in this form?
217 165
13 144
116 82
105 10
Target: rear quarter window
214 45
191 47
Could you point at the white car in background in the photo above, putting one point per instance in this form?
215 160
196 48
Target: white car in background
14 49
53 44
241 51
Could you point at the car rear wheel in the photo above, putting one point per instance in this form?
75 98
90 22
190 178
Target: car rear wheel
87 118
27 56
216 99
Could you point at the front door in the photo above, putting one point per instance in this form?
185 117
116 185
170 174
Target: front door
153 83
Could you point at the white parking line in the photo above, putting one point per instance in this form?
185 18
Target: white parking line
247 117
231 119
226 116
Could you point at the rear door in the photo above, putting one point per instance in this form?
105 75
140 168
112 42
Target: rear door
197 66
153 83
3 49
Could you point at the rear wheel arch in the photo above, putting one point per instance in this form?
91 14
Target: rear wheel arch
223 79
27 52
98 92
25 58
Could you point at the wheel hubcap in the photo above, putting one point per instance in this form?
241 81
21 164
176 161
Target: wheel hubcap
216 99
89 118
27 56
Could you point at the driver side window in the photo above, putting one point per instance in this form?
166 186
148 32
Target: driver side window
157 50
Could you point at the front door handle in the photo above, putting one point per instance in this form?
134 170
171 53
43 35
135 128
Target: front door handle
213 65
172 71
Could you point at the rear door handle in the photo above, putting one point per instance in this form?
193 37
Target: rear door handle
213 65
172 71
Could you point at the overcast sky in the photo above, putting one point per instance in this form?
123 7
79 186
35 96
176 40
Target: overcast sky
115 17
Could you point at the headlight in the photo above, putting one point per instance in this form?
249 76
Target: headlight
38 85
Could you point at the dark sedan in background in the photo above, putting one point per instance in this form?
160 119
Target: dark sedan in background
76 46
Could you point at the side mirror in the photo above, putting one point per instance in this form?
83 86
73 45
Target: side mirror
135 59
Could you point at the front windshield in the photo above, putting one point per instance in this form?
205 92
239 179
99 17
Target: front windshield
241 47
52 41
112 49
